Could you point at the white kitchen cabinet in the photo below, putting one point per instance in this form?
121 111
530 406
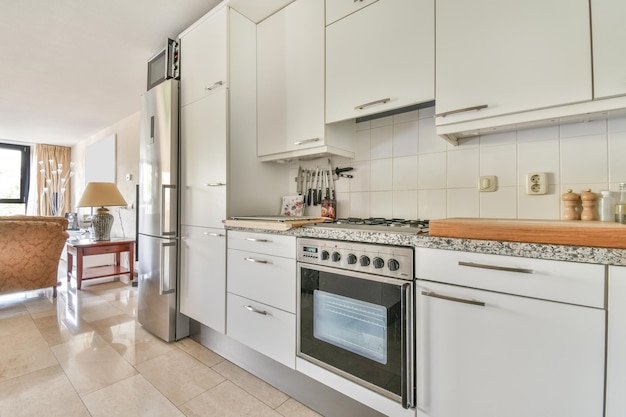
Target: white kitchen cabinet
204 140
616 343
203 272
336 9
510 56
204 56
261 308
487 353
609 60
380 58
290 91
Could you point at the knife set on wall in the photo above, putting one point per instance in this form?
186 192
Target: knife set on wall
315 187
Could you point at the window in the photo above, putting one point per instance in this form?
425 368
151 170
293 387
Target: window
14 178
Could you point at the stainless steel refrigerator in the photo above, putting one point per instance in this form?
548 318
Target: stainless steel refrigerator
158 206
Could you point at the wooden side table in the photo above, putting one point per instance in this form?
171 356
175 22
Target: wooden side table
86 247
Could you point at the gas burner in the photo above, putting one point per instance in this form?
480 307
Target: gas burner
378 224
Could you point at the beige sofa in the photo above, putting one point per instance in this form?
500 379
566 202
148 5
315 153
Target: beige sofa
30 249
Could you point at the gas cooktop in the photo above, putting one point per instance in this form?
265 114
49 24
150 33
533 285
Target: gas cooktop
377 224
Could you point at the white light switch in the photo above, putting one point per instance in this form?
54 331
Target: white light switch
487 183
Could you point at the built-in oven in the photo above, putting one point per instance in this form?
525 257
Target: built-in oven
356 313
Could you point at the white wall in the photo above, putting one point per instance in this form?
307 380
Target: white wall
403 169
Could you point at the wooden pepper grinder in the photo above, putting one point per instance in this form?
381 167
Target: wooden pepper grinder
589 205
570 205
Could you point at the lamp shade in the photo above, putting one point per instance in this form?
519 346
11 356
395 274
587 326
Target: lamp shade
100 194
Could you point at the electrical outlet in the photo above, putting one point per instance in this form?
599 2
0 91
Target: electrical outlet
487 183
537 183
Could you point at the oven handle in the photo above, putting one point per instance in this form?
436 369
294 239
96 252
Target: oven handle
408 364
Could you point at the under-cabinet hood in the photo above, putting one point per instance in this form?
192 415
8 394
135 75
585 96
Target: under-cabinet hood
306 154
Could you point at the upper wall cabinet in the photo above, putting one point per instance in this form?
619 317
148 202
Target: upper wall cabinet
609 60
498 57
204 57
290 89
336 9
380 58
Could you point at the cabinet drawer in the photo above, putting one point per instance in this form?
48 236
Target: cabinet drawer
265 329
266 243
336 9
266 278
99 250
567 282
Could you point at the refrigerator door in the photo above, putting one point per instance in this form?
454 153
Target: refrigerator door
157 288
158 161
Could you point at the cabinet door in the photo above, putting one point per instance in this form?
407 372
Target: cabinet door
512 356
380 58
336 9
616 343
510 56
290 70
609 60
204 160
204 58
203 276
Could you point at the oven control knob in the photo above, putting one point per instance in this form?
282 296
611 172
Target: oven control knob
365 261
325 255
352 259
378 263
336 256
393 265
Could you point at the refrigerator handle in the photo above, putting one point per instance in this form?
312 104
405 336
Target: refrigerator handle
166 269
166 210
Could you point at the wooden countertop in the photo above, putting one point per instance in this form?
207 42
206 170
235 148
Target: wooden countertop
554 232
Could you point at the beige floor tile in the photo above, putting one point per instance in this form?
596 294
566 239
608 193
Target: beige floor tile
292 408
98 311
227 400
42 306
203 354
23 352
179 376
10 307
16 324
253 385
46 392
132 397
91 363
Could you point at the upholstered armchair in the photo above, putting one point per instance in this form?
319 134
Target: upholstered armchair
30 249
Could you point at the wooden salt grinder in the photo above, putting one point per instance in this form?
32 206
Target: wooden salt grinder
570 205
589 205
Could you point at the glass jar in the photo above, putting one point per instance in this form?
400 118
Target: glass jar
620 207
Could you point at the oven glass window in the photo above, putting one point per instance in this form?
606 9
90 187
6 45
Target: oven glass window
353 325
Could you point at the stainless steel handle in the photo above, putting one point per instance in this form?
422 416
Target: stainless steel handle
165 270
358 0
214 184
254 310
212 234
447 113
166 205
256 261
302 142
254 239
371 103
408 364
456 300
215 85
497 268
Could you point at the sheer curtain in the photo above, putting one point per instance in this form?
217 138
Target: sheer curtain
48 158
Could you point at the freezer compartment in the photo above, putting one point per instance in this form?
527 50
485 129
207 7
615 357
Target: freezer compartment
158 280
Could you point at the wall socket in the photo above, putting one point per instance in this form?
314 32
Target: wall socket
537 183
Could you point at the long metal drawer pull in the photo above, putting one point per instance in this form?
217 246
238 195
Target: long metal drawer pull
456 300
256 261
254 310
497 268
214 184
302 142
254 239
215 85
371 103
212 234
448 113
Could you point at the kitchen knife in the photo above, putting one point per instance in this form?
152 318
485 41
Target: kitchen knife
308 187
319 186
317 180
299 181
326 186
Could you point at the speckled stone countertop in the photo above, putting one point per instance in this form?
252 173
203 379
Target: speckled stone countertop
584 254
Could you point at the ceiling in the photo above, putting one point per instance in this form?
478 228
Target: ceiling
74 67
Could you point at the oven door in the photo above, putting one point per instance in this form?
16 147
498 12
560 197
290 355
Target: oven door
359 326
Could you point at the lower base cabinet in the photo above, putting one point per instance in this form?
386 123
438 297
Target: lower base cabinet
513 356
616 344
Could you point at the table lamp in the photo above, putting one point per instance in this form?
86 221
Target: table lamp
100 194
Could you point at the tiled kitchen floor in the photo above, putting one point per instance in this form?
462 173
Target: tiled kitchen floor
84 354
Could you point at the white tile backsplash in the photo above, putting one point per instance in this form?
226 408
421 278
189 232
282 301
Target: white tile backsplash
403 169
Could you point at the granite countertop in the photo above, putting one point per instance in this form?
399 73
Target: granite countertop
603 256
